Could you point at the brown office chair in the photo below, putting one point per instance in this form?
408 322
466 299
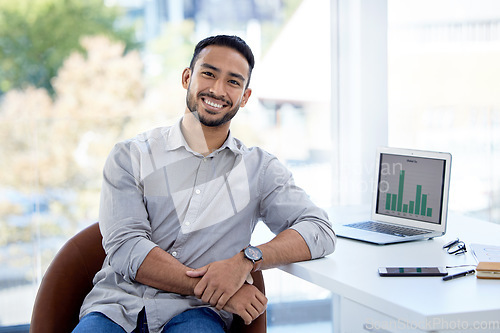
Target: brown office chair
69 279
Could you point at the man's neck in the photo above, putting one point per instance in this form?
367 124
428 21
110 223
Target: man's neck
200 138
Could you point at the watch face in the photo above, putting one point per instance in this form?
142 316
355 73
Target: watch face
253 253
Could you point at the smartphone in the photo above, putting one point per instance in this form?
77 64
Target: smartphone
412 271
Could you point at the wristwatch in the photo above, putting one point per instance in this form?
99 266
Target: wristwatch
254 254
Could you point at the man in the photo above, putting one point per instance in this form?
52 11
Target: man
179 204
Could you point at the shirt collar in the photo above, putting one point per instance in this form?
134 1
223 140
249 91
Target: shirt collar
175 140
174 137
232 144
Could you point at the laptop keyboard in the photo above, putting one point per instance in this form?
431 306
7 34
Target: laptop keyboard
387 229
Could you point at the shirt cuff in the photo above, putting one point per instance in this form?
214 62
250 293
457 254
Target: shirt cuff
133 253
321 241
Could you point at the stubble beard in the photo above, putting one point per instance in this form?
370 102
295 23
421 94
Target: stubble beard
192 106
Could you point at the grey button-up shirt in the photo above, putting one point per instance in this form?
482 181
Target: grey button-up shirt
158 192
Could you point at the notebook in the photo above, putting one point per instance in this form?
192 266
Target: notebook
410 199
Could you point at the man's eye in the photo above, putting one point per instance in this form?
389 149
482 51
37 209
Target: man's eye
234 82
208 74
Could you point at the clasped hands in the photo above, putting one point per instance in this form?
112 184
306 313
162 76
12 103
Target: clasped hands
222 285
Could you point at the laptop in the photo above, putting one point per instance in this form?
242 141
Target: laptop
410 199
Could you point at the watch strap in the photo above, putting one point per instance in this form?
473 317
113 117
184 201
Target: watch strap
256 263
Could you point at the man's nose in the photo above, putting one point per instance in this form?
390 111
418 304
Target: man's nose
218 88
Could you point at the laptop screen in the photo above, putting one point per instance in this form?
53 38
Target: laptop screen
411 187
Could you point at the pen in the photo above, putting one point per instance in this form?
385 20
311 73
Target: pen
455 276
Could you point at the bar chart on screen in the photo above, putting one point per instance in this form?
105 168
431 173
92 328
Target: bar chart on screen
411 188
418 206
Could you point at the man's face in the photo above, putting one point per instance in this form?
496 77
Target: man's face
216 85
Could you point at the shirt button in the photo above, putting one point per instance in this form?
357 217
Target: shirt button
197 191
205 159
187 223
174 254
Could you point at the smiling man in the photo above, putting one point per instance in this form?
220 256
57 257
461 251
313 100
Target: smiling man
179 205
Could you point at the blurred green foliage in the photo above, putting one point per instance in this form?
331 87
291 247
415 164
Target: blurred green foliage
37 35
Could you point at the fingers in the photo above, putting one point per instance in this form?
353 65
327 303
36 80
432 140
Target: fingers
262 300
248 314
217 298
214 296
200 288
221 302
199 272
219 281
252 312
211 296
260 305
247 318
249 303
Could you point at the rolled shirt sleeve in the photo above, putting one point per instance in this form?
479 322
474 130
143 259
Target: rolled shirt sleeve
123 218
285 205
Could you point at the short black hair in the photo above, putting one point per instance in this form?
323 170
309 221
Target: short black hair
234 42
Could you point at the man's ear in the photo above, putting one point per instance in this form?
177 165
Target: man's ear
246 96
186 77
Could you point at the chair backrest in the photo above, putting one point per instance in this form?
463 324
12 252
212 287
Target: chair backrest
69 279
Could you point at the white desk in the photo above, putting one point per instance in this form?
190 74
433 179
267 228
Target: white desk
364 301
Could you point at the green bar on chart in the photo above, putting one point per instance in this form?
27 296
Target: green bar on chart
417 199
424 204
394 201
388 201
405 208
429 212
412 206
401 188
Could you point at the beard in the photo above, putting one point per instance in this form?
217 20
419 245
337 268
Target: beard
193 107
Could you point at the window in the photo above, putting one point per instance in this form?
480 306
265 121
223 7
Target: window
443 79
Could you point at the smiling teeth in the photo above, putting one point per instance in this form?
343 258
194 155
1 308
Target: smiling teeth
213 104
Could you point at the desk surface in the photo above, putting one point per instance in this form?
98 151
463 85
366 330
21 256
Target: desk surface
352 272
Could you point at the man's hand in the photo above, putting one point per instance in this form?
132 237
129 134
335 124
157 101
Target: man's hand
221 279
248 303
